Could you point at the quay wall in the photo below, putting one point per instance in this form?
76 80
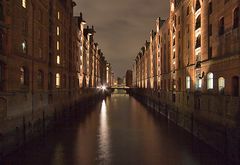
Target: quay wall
214 120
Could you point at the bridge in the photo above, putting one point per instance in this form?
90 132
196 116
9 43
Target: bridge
119 87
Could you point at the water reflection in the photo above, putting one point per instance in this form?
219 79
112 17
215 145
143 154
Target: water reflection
118 131
104 141
120 92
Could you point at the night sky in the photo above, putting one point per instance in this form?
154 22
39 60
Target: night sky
122 26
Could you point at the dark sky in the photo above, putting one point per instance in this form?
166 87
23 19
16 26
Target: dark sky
122 26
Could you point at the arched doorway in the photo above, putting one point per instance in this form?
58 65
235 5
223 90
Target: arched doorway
235 86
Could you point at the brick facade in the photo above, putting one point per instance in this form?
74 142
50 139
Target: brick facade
196 54
42 51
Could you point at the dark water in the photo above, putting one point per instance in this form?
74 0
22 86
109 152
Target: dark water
120 131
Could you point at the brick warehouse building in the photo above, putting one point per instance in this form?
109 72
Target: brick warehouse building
129 78
194 70
40 66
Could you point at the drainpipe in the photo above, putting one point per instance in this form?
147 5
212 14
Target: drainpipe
32 59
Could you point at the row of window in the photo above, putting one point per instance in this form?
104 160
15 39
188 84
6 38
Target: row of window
210 83
24 48
236 15
24 78
235 23
221 84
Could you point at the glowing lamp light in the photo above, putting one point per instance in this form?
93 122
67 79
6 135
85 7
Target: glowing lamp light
172 6
104 87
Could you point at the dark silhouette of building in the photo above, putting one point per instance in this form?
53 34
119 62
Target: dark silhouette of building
119 81
129 78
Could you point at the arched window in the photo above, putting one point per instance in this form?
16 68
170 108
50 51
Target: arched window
221 26
58 59
1 12
58 80
210 8
40 52
58 45
50 81
198 5
1 41
1 72
188 82
179 84
210 80
40 79
198 83
24 46
235 86
236 18
24 3
221 84
23 76
64 81
58 30
198 42
198 22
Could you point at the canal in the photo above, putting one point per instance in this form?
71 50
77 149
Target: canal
119 130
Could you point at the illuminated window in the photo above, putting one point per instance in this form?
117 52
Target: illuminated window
58 15
199 83
58 80
24 46
58 31
58 59
210 80
198 79
188 82
24 3
40 79
221 84
58 46
23 76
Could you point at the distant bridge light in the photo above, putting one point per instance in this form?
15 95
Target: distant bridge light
104 87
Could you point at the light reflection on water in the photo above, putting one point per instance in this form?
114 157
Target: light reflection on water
104 140
118 131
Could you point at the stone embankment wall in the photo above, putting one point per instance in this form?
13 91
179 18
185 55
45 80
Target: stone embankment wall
24 127
213 119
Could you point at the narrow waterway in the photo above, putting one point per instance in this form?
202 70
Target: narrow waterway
119 130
